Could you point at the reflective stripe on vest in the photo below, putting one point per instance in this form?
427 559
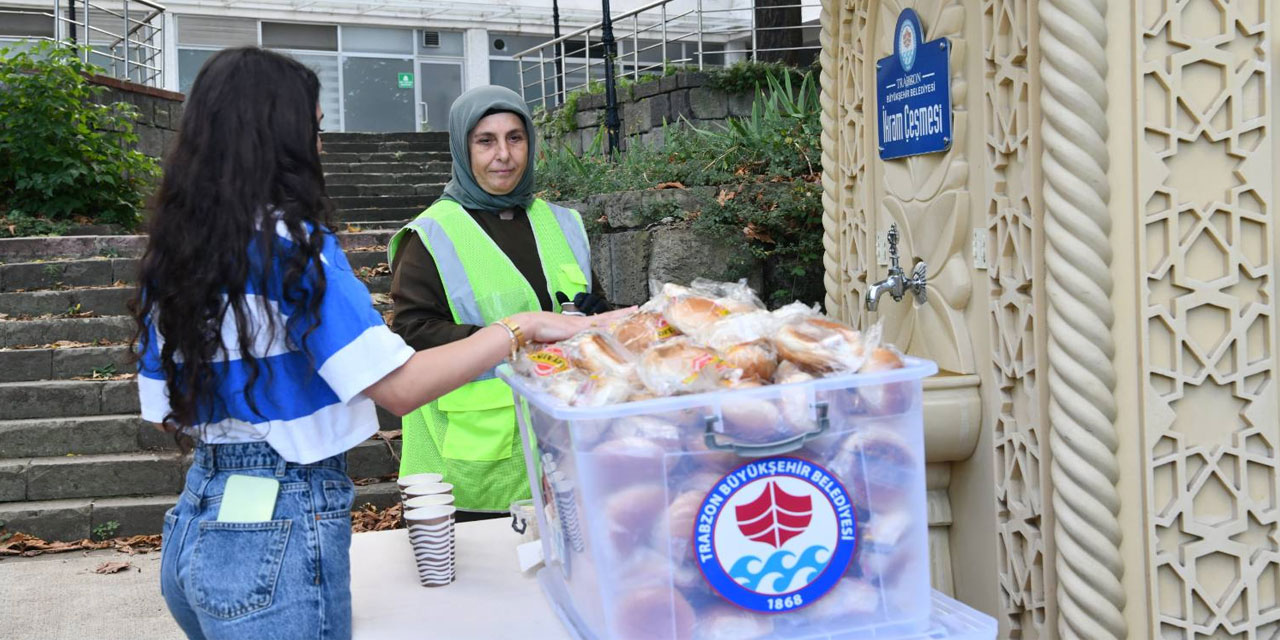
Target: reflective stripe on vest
574 233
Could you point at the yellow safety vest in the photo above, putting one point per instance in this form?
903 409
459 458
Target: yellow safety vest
469 435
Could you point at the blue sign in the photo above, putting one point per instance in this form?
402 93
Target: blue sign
913 93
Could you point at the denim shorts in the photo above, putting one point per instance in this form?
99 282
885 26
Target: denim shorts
289 577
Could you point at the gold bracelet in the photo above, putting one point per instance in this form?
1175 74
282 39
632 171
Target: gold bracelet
517 336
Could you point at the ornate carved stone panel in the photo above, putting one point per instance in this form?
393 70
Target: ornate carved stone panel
928 197
846 231
1012 255
1207 251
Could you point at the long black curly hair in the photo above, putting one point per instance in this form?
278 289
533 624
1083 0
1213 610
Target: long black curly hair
246 161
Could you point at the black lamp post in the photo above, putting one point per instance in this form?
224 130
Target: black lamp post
559 52
611 120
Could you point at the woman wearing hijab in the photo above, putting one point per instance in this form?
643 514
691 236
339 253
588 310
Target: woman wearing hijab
485 250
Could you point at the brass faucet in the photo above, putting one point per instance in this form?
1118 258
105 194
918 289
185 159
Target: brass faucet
897 284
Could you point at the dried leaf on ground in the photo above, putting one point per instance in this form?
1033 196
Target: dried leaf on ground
725 196
112 567
370 518
21 544
671 185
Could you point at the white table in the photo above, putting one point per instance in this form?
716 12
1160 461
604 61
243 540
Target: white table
490 599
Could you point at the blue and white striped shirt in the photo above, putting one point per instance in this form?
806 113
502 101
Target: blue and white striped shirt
308 394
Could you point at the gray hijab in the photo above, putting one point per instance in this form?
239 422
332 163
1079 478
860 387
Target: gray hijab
466 111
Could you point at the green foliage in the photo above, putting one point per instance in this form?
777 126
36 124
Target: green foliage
748 76
106 530
767 166
63 156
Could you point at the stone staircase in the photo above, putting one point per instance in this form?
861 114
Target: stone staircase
74 455
382 180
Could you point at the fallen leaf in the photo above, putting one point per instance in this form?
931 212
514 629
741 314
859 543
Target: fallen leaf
112 567
725 196
671 185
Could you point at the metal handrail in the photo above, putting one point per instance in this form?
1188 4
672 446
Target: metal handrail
135 51
702 25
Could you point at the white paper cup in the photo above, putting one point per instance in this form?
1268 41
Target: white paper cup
428 500
524 520
429 489
404 482
431 534
418 478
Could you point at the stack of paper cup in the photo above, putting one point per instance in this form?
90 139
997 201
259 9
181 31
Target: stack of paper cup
425 489
418 478
431 534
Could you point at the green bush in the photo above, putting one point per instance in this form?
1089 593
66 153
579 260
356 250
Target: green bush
63 156
768 166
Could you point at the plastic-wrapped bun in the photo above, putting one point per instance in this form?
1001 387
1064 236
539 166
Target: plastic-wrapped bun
651 613
757 360
723 622
630 513
820 346
679 366
694 314
737 297
602 390
639 330
884 399
598 353
539 362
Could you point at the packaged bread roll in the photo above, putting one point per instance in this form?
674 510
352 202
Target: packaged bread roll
680 366
820 346
641 329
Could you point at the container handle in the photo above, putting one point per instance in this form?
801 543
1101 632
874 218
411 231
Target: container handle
766 449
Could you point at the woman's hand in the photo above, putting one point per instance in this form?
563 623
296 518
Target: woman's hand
540 326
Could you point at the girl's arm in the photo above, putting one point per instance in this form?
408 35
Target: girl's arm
434 372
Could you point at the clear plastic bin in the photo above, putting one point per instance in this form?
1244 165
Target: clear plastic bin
787 511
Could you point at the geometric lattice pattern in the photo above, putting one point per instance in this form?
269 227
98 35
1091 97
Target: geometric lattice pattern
849 248
1012 259
1208 253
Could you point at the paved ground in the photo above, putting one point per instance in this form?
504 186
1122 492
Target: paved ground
57 596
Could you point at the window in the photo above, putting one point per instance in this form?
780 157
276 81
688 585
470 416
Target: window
377 40
450 44
314 37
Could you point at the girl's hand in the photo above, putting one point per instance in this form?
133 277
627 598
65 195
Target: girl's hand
540 326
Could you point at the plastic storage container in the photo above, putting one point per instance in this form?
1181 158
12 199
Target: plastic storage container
786 511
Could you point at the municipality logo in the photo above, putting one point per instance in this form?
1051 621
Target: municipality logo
907 41
775 534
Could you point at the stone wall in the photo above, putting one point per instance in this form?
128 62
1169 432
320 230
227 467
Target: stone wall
631 246
159 111
645 107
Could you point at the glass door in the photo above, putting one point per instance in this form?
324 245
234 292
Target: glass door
378 94
440 84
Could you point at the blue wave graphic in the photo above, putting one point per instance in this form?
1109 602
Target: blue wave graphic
777 565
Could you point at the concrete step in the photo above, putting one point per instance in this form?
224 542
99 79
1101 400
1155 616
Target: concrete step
332 180
386 156
84 272
87 272
432 189
398 136
343 203
410 168
104 475
37 249
102 301
359 217
47 331
46 437
131 473
17 365
390 225
67 398
75 519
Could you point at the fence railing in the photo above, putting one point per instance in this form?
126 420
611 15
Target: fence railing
124 37
656 36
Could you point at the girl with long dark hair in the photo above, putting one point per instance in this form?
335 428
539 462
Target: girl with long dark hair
256 340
